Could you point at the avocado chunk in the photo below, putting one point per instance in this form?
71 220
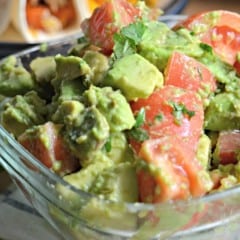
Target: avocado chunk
14 78
159 41
84 178
107 167
99 65
113 105
204 151
135 76
68 112
23 112
46 143
117 148
223 113
71 90
118 183
86 133
43 68
44 71
69 68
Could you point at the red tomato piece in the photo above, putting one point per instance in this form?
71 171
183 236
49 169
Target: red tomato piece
172 111
169 181
178 173
107 20
225 41
186 72
228 146
174 123
48 146
220 29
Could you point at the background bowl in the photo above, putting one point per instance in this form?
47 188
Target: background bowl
78 215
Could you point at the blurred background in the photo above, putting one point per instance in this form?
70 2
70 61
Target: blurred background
194 6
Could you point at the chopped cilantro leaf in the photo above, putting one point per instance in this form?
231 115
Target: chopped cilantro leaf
134 31
179 110
159 117
206 47
138 134
82 40
108 145
123 46
126 41
140 119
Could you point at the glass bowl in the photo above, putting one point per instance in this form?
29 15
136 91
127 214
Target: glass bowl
79 215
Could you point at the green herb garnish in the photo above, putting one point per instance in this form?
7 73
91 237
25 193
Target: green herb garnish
108 145
206 47
140 119
138 134
126 41
158 117
179 110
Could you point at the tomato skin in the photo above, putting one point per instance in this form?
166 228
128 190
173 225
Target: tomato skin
187 73
220 29
107 20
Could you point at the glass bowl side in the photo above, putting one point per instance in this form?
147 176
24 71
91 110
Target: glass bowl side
79 215
75 213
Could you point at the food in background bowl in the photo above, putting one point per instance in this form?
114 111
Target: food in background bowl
93 4
39 21
5 7
50 17
138 130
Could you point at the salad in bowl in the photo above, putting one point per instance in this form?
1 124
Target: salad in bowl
131 130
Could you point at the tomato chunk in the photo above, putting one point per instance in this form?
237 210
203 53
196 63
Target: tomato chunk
177 174
47 145
107 20
228 147
174 123
220 29
168 181
172 111
186 72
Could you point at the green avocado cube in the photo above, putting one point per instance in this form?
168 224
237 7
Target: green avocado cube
223 113
135 76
